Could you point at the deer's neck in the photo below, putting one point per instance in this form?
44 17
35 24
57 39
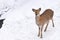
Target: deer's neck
37 16
37 19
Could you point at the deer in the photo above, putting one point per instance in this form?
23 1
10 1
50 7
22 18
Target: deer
42 19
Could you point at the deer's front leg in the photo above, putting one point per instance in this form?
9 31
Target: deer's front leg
38 31
41 29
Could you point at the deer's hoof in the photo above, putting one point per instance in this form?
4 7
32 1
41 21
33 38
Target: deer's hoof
44 30
41 37
38 35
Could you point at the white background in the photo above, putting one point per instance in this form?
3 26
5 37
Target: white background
19 23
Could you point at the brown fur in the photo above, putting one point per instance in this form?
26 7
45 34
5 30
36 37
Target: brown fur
43 19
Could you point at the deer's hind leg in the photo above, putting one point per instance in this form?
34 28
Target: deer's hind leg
52 22
46 26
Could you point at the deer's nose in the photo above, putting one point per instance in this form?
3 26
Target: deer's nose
36 14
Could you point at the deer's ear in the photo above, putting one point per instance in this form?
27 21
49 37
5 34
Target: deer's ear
40 9
33 10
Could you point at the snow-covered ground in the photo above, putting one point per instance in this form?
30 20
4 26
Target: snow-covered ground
19 23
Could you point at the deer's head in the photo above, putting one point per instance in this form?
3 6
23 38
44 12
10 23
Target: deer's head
37 11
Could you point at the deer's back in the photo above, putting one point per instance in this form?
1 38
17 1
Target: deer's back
47 13
46 16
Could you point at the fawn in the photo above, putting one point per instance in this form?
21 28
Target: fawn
43 19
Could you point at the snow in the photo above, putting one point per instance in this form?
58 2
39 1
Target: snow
19 23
